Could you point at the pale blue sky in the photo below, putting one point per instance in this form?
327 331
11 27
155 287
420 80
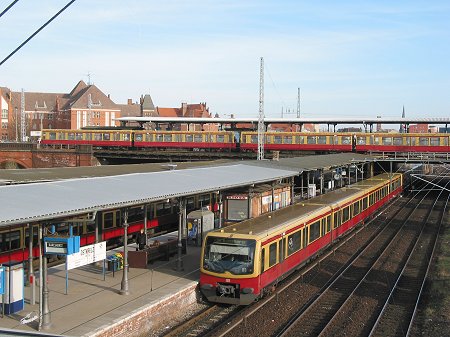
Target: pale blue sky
350 58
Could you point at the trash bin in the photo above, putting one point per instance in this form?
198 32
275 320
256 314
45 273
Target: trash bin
14 282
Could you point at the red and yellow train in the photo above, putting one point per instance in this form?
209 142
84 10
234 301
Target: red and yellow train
239 261
248 141
162 217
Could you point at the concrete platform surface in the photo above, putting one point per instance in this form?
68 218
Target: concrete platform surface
94 306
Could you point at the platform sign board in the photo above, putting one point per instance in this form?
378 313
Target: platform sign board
61 245
87 255
2 280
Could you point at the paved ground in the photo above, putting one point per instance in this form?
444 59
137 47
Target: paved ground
94 300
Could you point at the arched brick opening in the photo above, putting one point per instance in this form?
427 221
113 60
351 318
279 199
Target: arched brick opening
12 164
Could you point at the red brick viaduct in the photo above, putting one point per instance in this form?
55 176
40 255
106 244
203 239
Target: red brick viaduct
28 155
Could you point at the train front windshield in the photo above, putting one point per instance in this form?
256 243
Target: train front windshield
233 255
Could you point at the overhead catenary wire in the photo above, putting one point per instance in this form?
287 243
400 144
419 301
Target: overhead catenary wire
8 8
36 32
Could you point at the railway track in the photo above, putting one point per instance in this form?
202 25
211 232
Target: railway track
349 305
204 322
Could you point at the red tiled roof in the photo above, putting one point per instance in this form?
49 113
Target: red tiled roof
168 112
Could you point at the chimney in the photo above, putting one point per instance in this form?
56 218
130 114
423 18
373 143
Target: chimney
130 101
183 109
109 96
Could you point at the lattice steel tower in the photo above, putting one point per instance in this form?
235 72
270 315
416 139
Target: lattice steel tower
23 126
261 112
298 103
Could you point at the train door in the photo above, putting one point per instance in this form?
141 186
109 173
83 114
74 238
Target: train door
281 256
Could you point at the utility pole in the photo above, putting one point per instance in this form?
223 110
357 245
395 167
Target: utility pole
261 112
298 103
22 117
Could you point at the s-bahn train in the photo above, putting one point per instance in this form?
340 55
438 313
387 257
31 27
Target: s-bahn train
240 261
248 141
162 217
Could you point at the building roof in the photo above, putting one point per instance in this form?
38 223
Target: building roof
59 199
168 112
99 99
129 109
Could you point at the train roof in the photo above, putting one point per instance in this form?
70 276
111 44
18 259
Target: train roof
267 224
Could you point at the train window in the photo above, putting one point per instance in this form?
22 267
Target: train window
228 254
163 208
305 236
423 141
52 136
190 203
287 140
328 223
263 259
445 141
106 136
189 138
198 138
149 137
337 219
254 139
299 140
71 136
323 224
311 139
434 141
97 136
159 137
314 231
346 140
79 136
88 136
408 141
356 208
398 141
126 136
10 240
272 254
364 203
138 137
204 200
387 140
293 243
277 139
361 140
345 214
135 214
62 228
322 140
376 140
220 139
35 236
108 220
168 138
371 199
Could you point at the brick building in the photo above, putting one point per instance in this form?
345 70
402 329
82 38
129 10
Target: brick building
188 110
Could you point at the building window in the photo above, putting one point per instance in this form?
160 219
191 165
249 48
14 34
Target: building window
5 113
50 116
4 125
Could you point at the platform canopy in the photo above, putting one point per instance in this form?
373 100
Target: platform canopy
52 200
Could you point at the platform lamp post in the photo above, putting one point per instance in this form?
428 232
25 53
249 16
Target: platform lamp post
124 284
182 217
46 319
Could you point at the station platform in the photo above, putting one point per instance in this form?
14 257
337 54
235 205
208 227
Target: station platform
94 306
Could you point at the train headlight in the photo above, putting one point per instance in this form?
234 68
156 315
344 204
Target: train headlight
247 291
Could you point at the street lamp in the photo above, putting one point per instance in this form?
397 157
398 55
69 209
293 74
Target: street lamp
124 283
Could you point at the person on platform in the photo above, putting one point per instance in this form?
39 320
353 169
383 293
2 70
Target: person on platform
141 239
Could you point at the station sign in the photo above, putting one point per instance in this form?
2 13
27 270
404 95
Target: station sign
237 197
61 245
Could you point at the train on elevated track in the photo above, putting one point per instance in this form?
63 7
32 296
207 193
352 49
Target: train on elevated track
118 138
241 261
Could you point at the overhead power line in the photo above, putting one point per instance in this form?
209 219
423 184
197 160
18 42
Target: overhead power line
36 32
7 8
